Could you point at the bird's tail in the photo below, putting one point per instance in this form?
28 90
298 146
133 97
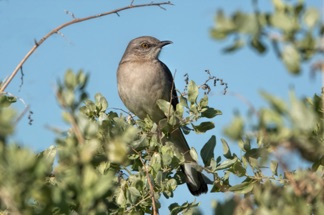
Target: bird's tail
194 179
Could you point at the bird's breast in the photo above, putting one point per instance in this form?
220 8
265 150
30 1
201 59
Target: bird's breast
140 85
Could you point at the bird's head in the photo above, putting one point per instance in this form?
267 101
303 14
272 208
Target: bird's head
144 48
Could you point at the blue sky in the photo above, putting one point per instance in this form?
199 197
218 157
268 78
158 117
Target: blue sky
96 46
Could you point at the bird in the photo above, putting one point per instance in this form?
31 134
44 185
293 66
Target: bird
142 80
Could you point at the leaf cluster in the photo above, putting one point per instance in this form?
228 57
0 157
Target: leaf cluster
104 163
292 29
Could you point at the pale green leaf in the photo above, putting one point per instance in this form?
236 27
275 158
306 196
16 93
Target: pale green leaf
304 117
134 194
238 43
311 17
227 163
70 80
193 154
274 167
291 59
242 188
238 169
226 150
192 92
165 106
235 129
276 103
203 101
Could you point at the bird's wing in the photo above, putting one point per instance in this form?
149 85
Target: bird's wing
174 99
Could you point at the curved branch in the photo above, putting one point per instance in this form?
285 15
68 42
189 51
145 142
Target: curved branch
74 21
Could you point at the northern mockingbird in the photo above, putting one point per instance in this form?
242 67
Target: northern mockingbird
142 80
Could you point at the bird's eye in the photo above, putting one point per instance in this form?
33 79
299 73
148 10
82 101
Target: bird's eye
145 45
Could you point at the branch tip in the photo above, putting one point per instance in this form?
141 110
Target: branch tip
74 21
36 43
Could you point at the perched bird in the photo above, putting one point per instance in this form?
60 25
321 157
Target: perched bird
142 80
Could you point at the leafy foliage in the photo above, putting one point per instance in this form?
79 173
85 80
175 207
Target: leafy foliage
112 164
291 28
108 163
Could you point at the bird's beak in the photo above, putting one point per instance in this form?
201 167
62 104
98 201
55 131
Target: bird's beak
164 43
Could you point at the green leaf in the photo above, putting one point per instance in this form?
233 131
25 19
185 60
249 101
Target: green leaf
179 110
246 23
192 92
291 59
279 5
183 101
203 127
159 178
226 150
210 113
238 43
172 184
155 162
258 45
242 188
101 102
6 101
218 34
276 103
235 129
176 209
274 167
307 45
203 101
207 151
311 17
134 194
121 199
165 106
227 163
270 118
223 26
68 97
193 154
48 154
238 169
252 157
70 80
82 79
167 154
244 145
283 21
303 116
212 165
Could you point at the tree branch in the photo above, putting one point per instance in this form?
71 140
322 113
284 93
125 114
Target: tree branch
74 21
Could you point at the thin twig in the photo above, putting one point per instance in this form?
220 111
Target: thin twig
138 203
155 209
22 114
70 13
289 176
120 109
27 108
74 21
21 78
